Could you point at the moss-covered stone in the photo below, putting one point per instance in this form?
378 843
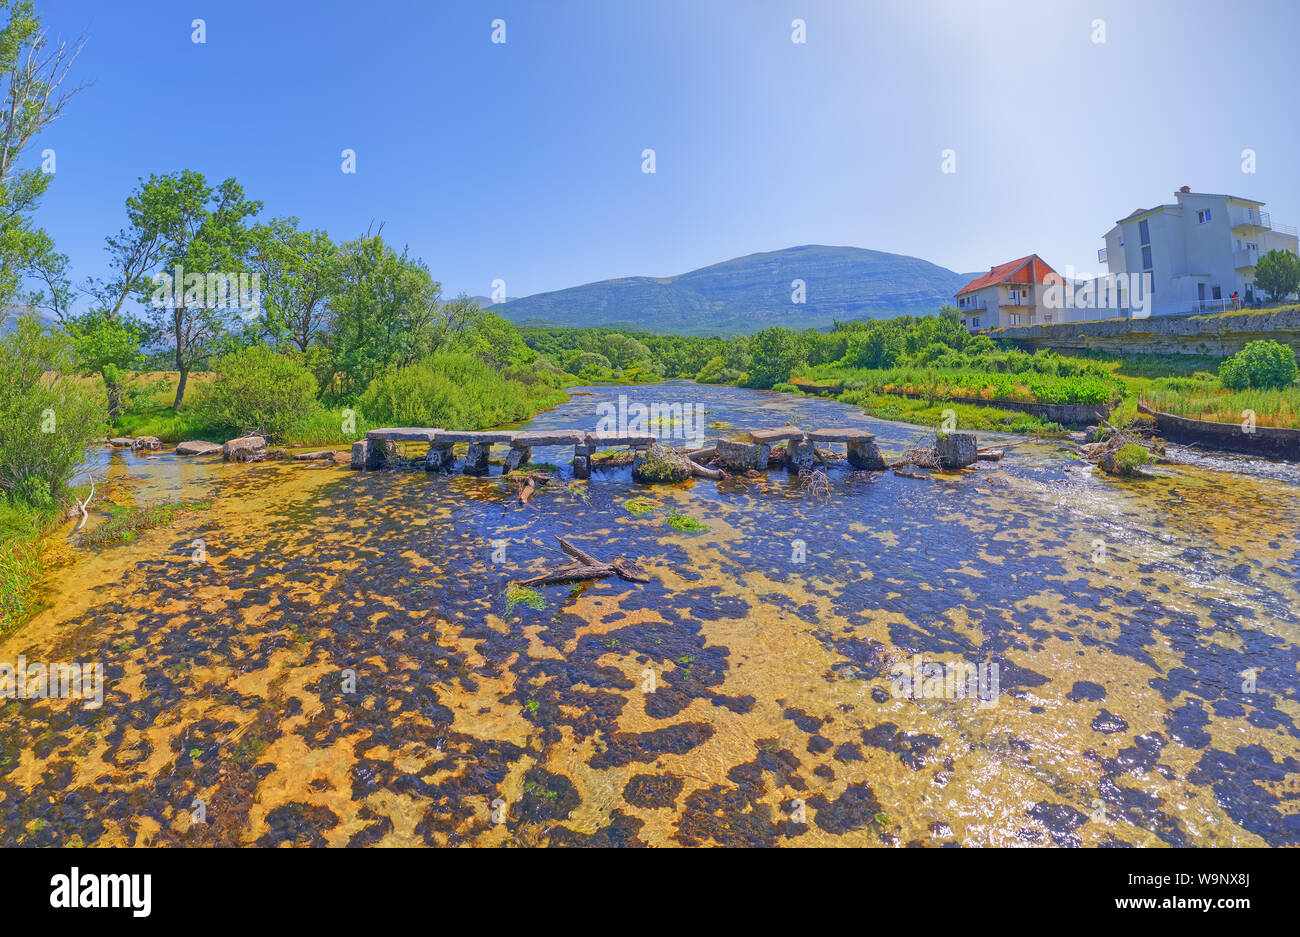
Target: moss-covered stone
661 464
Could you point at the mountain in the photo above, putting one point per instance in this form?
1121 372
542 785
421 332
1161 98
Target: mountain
750 293
10 313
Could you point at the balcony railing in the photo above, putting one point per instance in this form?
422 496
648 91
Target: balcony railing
1101 255
975 305
1248 257
1249 218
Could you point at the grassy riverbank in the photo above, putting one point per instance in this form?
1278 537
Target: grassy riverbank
494 402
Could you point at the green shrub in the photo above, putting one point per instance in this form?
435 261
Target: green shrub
1260 365
456 391
1129 458
258 391
46 421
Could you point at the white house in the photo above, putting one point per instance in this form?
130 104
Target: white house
1197 251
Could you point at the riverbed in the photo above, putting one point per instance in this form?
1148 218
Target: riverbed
342 665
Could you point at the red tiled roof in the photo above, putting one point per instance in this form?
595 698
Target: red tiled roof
1031 269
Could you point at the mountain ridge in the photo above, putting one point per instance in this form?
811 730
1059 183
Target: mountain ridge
748 293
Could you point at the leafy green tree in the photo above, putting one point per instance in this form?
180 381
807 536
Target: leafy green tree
773 354
300 271
32 75
495 340
1278 274
622 350
103 342
590 364
876 347
205 239
386 314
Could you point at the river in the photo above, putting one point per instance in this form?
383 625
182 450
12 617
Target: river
343 668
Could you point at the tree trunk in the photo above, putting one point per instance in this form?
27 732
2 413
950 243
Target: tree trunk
180 388
177 313
114 391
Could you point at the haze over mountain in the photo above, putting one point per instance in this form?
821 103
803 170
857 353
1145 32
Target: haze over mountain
752 292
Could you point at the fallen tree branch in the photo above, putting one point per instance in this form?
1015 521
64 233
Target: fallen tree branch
587 568
586 558
702 472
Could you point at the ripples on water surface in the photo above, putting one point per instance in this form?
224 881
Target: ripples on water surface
1122 717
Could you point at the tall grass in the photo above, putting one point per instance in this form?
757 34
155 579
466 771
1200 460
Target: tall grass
21 528
1203 399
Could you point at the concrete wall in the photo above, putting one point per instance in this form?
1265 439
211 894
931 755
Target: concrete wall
1184 335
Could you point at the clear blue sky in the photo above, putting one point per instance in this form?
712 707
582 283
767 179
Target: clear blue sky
523 161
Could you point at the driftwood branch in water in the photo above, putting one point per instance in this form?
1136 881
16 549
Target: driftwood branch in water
83 505
586 558
569 574
702 472
587 568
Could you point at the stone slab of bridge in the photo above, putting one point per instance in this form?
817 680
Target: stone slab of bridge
379 448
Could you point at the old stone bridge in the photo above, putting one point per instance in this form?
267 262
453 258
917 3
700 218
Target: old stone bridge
380 448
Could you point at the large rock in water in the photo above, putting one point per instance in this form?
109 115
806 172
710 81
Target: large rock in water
149 443
661 464
197 447
956 450
244 449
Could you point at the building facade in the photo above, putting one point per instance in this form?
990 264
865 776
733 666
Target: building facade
1009 294
1196 252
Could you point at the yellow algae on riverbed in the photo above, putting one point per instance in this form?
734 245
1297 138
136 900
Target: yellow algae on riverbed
338 674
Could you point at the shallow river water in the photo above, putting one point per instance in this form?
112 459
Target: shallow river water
344 669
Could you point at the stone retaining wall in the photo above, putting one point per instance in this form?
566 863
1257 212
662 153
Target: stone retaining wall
1218 335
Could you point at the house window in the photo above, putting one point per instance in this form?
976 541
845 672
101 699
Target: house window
1145 231
1218 293
1015 318
1146 258
1203 216
1015 296
975 322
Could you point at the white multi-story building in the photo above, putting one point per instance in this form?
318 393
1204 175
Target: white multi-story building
1199 252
